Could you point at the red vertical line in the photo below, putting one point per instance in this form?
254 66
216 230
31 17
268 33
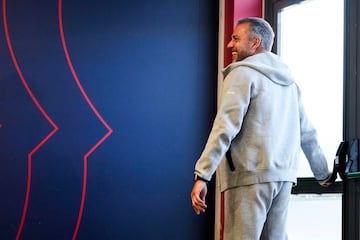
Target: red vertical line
222 216
91 105
228 29
41 109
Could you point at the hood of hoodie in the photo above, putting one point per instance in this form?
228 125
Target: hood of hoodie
268 64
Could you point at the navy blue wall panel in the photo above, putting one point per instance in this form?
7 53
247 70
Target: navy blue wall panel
104 108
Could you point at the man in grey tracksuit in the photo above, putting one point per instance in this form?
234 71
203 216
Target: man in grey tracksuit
262 123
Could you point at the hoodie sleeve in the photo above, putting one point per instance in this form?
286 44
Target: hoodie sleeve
234 101
310 145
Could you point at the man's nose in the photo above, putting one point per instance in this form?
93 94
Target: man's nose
229 45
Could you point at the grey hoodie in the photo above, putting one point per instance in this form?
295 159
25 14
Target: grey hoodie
262 117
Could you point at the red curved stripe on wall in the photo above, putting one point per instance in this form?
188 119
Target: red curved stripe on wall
91 105
42 111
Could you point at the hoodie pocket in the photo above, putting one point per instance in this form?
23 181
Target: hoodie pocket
230 160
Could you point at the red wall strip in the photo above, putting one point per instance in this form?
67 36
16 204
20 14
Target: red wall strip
247 8
228 29
234 10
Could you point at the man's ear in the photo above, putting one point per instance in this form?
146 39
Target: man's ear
256 43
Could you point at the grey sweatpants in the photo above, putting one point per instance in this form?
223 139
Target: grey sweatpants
257 211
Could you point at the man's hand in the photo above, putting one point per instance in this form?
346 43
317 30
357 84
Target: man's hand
328 181
198 195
